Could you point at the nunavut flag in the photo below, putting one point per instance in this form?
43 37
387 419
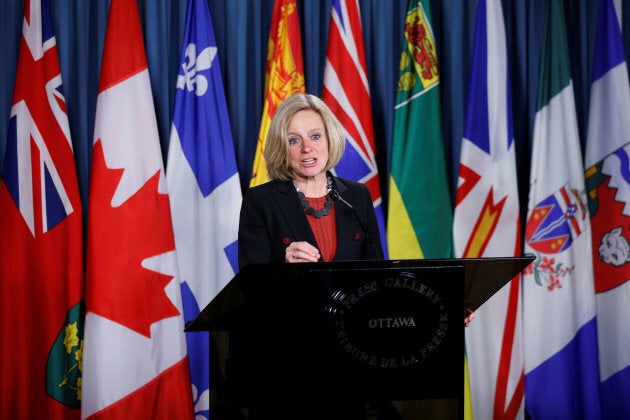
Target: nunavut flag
41 251
135 363
285 74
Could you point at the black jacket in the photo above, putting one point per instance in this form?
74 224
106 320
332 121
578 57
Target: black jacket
272 217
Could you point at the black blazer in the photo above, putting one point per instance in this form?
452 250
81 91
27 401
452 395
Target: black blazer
272 217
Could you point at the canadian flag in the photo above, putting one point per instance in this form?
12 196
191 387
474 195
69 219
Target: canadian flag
135 363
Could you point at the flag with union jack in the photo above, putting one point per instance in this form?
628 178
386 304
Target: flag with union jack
41 252
346 91
486 220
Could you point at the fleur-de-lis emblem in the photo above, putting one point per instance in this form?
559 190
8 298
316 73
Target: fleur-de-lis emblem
192 79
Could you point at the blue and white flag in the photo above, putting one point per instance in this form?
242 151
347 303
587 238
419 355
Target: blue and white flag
607 166
559 323
487 221
204 186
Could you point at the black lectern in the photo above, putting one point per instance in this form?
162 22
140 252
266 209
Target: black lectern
327 340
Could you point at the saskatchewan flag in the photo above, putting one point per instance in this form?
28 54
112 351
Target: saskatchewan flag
420 218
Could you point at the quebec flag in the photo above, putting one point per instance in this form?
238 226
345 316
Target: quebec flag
204 187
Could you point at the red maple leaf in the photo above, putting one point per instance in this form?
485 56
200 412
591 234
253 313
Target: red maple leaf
119 239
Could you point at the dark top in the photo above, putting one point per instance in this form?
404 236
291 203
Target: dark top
272 217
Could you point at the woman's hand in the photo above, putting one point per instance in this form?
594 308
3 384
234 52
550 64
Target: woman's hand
470 317
301 252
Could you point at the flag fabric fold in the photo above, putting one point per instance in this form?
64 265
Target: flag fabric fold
135 363
346 91
607 160
486 220
204 187
41 252
284 76
559 322
420 219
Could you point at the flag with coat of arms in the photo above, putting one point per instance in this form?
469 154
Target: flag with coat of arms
607 162
41 251
559 322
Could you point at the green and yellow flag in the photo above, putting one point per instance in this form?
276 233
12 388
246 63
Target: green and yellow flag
285 74
420 218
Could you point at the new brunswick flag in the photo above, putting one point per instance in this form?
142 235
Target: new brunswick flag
285 74
41 251
420 220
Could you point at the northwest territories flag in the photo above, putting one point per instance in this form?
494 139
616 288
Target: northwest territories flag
559 323
347 93
135 362
607 166
486 220
41 239
204 187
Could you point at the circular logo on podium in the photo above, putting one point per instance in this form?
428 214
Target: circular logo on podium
390 322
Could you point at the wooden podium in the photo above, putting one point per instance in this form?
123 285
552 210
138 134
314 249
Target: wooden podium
346 339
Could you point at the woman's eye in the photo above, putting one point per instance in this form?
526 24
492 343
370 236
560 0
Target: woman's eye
294 140
316 136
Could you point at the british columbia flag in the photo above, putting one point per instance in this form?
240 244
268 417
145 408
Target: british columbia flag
347 93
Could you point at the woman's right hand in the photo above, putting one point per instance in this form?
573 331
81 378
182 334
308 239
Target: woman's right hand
301 252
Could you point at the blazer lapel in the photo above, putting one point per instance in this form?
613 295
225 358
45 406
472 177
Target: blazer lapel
293 213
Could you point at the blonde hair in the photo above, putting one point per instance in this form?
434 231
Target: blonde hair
277 144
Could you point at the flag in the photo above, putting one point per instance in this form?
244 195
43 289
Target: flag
284 77
347 93
204 187
135 363
559 323
486 220
608 184
41 251
420 219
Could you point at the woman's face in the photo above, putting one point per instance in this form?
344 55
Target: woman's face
308 144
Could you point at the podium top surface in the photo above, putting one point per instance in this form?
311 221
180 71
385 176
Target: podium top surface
483 277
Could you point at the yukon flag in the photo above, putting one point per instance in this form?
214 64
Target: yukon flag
285 74
347 93
204 187
559 324
135 363
41 251
420 219
486 220
607 163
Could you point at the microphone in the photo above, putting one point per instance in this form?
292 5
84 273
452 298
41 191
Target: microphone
334 194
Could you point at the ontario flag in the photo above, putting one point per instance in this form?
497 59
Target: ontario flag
607 164
204 188
41 251
135 363
284 77
486 221
346 91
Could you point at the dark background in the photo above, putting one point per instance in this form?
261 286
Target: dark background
242 30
